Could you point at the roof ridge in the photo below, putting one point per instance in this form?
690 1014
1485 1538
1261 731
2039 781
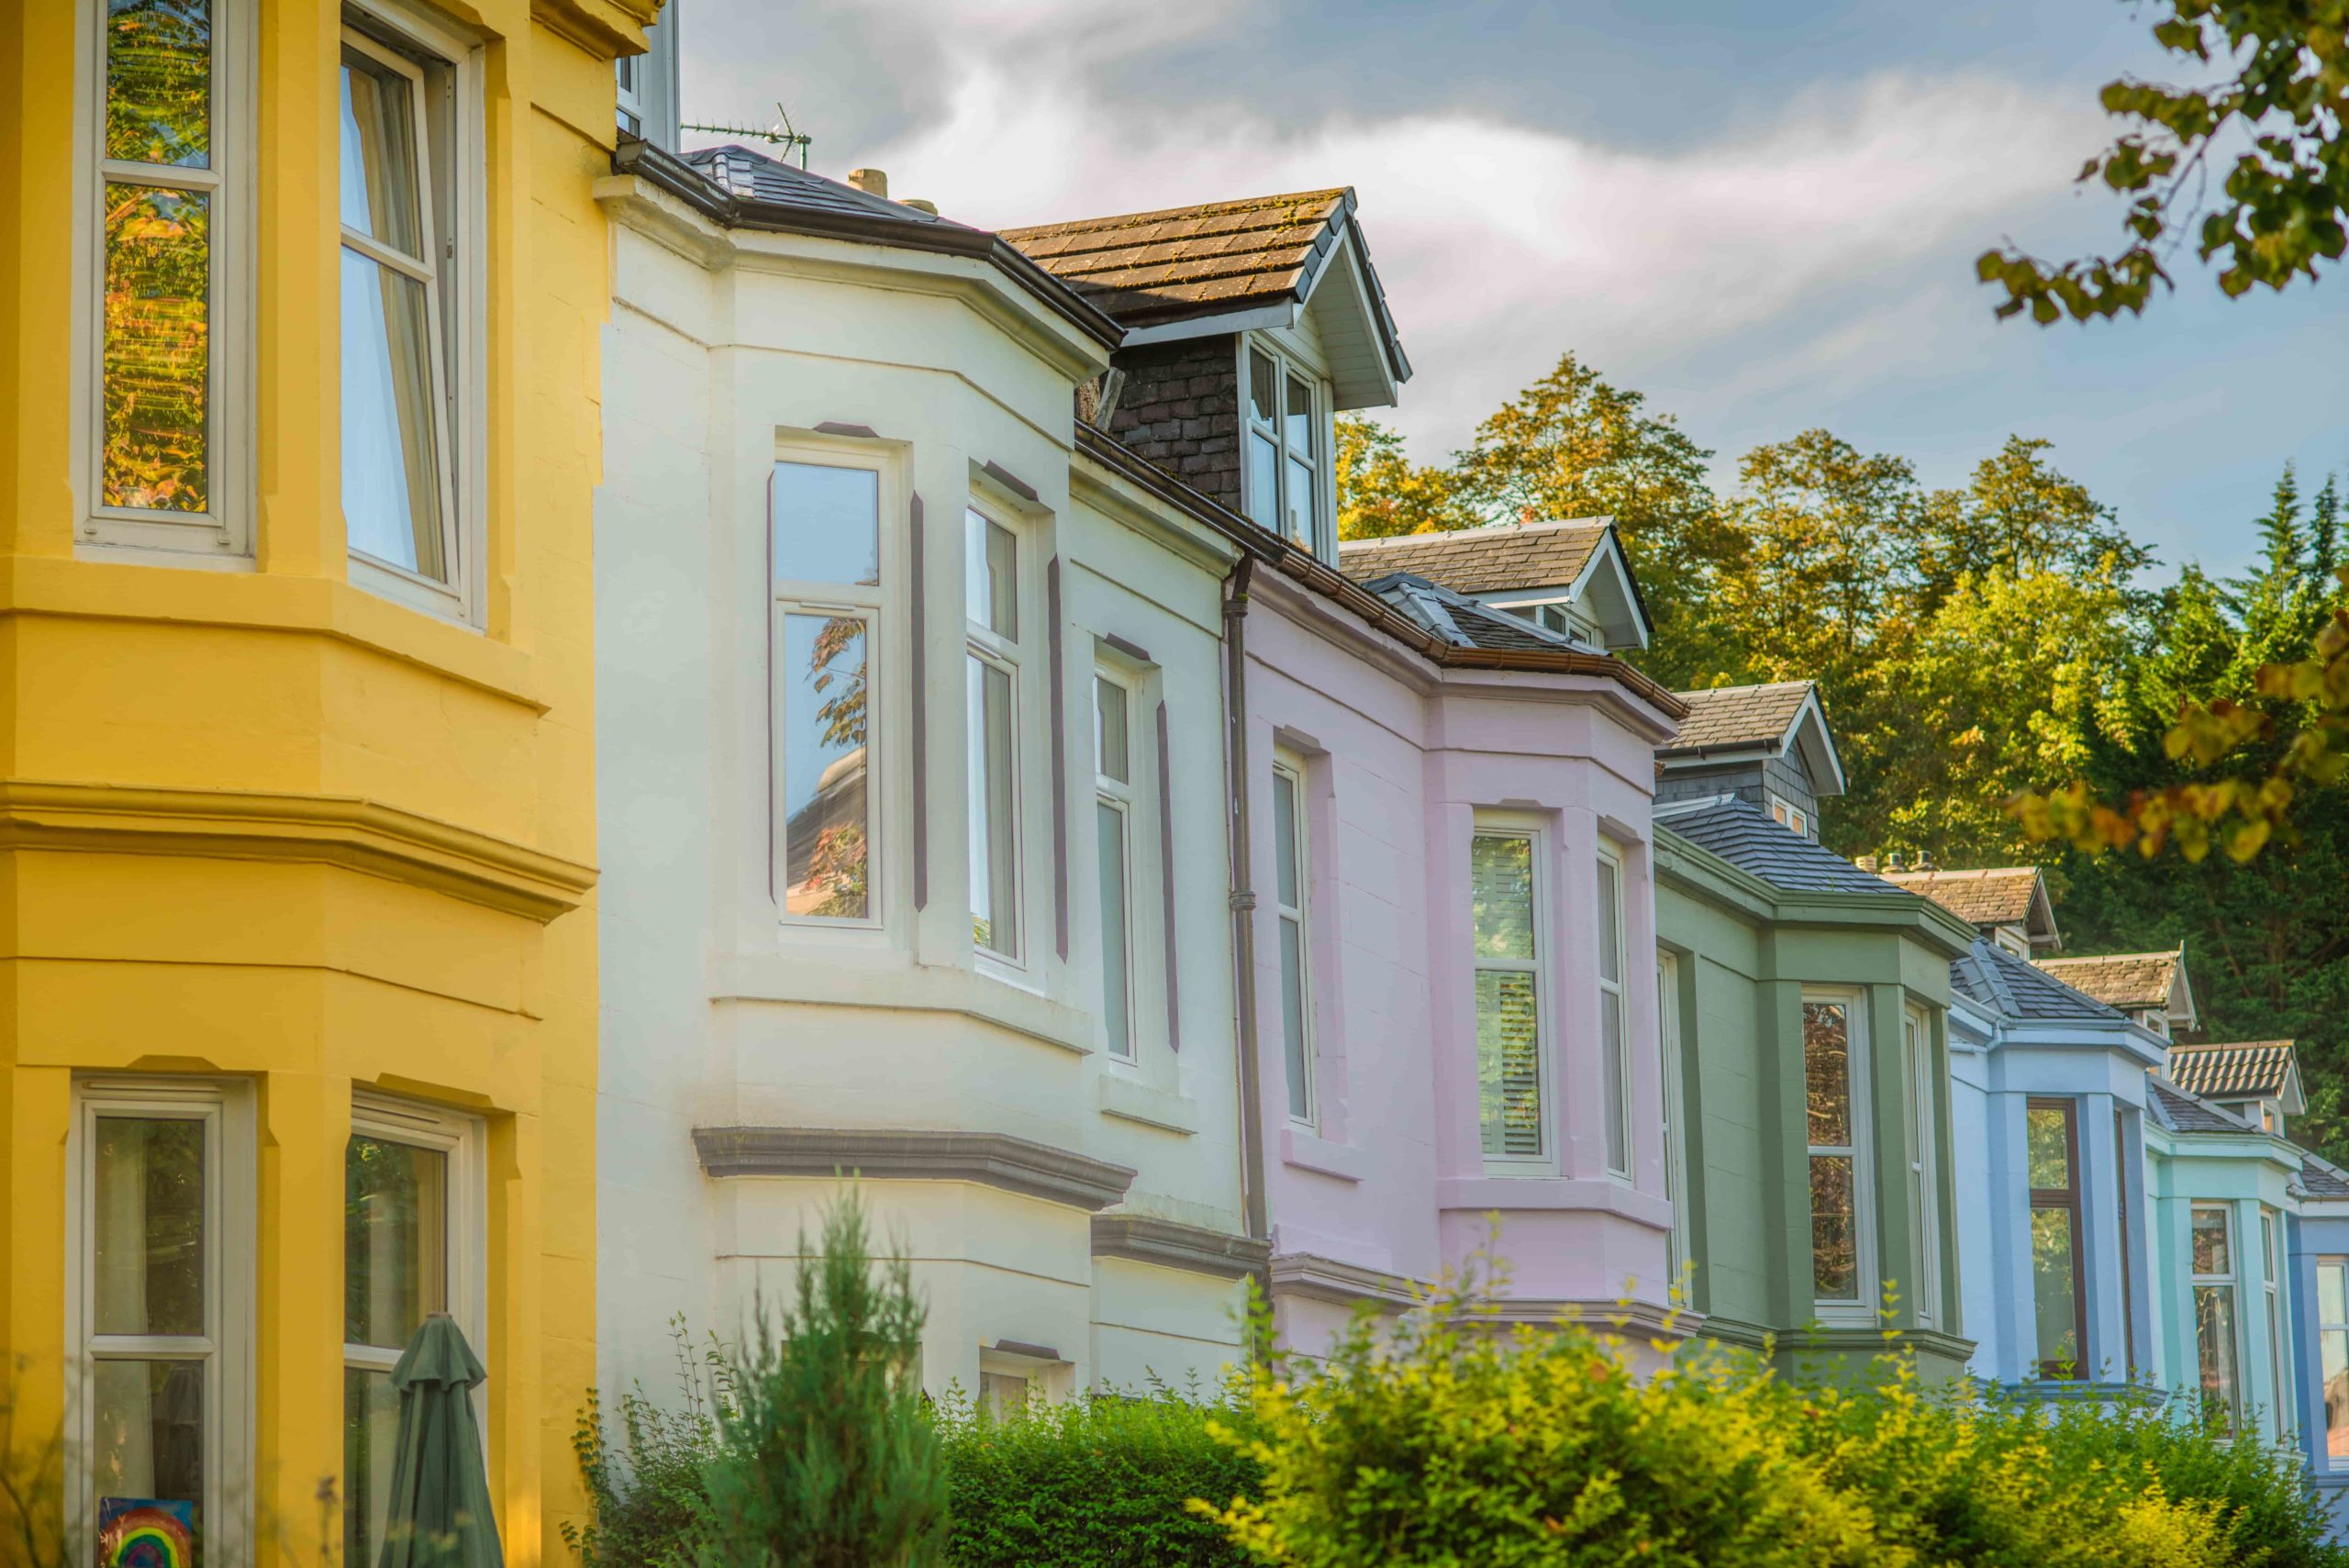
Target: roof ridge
1194 209
1430 536
1751 686
2108 957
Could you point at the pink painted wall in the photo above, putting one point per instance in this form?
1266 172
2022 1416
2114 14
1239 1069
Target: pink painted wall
1399 756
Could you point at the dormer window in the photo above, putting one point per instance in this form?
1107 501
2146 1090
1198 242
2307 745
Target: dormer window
1790 815
1285 472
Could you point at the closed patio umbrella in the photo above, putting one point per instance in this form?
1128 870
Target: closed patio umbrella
440 1515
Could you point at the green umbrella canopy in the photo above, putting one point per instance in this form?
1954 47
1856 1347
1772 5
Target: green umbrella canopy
441 1513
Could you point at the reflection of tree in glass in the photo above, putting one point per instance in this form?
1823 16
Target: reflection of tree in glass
159 81
837 864
380 1188
1827 1073
157 347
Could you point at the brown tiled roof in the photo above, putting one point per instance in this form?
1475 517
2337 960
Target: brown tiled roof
1739 716
1146 267
1999 895
1480 561
2128 980
2253 1069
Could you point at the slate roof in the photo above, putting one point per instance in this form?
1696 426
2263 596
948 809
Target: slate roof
1995 978
2257 1069
1745 835
757 177
2320 1180
1146 267
2183 1113
1481 560
2120 979
1998 896
1461 620
1739 716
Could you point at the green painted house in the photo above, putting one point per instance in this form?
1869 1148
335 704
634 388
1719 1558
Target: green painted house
1804 1004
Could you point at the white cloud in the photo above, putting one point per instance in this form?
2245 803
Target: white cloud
1500 245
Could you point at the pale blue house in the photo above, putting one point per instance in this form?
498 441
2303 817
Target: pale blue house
2048 1091
2319 1274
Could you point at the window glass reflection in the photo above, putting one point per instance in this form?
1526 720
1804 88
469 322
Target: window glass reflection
827 524
395 1247
157 363
159 81
826 815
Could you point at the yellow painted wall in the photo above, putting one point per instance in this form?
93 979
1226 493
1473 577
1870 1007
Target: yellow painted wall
268 825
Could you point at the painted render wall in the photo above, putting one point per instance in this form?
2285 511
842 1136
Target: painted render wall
2320 1230
1390 1185
716 1015
1745 952
2245 1172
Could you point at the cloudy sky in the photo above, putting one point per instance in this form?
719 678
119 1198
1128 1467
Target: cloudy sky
1762 214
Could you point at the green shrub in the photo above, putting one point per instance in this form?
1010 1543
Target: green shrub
644 1491
1097 1481
826 1457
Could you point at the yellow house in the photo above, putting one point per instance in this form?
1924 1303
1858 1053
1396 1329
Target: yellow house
299 307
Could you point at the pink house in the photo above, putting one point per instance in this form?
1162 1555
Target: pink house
1454 937
1439 799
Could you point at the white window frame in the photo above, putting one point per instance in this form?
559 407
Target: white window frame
231 1264
2325 1326
1860 1150
221 536
628 98
1676 1151
2198 1282
872 604
460 1139
1015 657
1610 872
1285 368
440 58
1121 796
1924 1160
1510 825
1304 1089
2271 1259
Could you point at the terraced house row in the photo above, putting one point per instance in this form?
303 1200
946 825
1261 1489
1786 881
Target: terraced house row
566 692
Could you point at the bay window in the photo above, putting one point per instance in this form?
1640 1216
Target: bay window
2332 1354
169 447
411 187
1113 817
2216 1309
1835 1085
1286 463
991 588
162 1286
1512 1054
412 1237
2052 1152
1924 1169
1290 896
828 607
1614 1042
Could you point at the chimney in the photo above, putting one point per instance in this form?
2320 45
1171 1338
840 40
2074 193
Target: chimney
1892 861
920 205
1867 864
872 182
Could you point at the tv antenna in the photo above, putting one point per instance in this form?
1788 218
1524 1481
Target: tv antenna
781 134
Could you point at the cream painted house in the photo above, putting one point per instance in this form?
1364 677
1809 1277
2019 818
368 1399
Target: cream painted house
913 816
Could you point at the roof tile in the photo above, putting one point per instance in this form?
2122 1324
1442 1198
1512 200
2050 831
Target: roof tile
2251 1068
2120 980
1747 836
1999 896
1146 267
1739 716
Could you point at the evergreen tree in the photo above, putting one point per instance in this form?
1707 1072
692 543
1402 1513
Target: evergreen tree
2325 531
828 1459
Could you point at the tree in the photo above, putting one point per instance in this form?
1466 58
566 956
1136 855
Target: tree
2277 104
1382 493
828 1459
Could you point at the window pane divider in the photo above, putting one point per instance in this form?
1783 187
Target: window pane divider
163 176
398 261
152 1346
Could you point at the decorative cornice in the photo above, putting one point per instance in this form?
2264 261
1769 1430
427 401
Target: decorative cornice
340 830
608 27
1326 1279
902 1154
1643 1318
1143 1239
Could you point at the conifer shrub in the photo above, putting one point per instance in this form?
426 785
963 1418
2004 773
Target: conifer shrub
1102 1481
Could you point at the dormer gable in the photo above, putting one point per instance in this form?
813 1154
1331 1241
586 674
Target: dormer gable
1569 578
2257 1080
2008 905
1767 744
1248 327
2152 988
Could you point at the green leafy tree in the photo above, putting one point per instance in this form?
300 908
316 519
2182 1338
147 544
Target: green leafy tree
828 1459
1382 493
2249 165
